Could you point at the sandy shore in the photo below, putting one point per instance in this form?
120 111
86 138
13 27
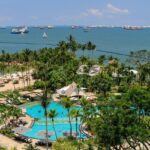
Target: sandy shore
11 86
10 143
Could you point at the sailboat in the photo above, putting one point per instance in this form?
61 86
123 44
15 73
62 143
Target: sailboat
44 35
22 33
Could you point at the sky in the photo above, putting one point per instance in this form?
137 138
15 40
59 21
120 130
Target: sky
74 12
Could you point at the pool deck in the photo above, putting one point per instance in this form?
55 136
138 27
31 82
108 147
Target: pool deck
27 119
10 143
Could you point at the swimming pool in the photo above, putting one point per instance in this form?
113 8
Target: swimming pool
62 125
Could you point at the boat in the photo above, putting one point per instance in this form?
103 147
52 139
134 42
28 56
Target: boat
42 27
75 27
44 35
19 30
50 27
132 28
22 33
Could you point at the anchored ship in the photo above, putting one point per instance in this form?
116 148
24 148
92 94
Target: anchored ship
19 30
132 28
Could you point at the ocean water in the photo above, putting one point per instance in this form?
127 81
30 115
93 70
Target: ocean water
107 39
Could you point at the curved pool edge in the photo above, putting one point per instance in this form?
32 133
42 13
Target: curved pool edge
33 124
84 131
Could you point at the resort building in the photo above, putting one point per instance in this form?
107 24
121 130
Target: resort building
135 72
92 71
83 69
73 92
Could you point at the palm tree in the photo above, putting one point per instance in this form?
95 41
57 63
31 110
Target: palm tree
26 58
44 104
101 59
62 48
83 59
67 103
83 47
91 47
75 113
72 44
52 114
22 69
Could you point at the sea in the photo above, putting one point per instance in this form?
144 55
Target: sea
109 41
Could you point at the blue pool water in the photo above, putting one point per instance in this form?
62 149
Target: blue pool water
61 121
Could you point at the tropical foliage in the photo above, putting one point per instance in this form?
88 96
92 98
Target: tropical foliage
120 116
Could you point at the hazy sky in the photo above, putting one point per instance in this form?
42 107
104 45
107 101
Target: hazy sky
74 12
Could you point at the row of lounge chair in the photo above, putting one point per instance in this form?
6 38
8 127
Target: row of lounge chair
67 134
14 78
23 139
43 143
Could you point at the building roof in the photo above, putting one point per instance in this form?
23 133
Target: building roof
95 69
69 91
134 71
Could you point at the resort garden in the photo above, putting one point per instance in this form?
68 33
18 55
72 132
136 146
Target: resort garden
104 102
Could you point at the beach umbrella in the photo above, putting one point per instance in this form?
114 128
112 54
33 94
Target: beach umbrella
43 134
67 133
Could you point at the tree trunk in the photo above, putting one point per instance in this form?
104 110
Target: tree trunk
54 129
76 126
23 79
70 124
46 129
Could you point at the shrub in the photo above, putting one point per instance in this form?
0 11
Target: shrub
38 84
15 81
63 146
2 148
7 131
122 89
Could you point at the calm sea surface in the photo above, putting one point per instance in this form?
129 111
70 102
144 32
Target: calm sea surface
107 39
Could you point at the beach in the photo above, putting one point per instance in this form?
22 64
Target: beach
11 86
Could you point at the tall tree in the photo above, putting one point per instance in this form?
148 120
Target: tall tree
91 47
72 44
67 103
76 114
44 104
52 114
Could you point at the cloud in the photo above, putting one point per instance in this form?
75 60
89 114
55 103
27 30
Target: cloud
108 11
92 12
115 10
